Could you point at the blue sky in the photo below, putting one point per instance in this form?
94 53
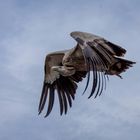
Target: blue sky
30 29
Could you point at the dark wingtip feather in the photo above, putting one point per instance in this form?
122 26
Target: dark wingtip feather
66 89
119 51
51 101
43 98
97 63
88 75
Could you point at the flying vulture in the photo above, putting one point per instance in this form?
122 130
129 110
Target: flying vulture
64 69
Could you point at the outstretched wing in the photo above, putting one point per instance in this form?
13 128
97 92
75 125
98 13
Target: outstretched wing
99 56
54 82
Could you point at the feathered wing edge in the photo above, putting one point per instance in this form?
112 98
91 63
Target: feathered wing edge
65 88
99 56
97 61
119 64
118 50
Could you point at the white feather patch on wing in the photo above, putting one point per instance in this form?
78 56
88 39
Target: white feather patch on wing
52 77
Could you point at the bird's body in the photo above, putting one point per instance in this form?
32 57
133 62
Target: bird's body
64 69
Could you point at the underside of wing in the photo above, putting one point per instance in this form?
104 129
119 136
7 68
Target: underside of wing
97 61
102 58
65 88
99 56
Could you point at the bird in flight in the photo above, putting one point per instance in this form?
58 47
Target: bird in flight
64 69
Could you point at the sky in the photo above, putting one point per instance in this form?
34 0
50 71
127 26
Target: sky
29 30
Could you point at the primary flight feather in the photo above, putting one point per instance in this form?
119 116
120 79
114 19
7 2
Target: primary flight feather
64 69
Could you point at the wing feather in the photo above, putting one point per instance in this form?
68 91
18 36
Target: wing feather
95 77
60 99
97 59
51 101
65 87
64 101
43 98
97 64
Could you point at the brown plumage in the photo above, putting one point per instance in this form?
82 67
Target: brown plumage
64 69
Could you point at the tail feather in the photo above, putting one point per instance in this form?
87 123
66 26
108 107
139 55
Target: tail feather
121 65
